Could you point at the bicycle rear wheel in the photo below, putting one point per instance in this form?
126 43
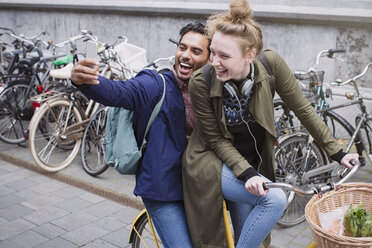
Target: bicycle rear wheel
341 130
365 134
15 111
291 163
92 149
51 148
143 237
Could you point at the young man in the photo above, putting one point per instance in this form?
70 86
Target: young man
158 179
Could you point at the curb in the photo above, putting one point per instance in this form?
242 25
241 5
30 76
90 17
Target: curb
92 188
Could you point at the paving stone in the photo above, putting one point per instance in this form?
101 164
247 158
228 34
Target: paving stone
74 204
104 208
15 212
99 244
42 202
9 200
50 231
85 234
21 184
49 187
92 197
27 239
57 243
27 194
46 214
69 192
126 215
5 190
74 220
109 223
13 228
119 238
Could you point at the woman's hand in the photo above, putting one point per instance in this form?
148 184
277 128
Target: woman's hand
254 185
85 72
346 160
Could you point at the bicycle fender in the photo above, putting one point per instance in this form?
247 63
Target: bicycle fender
140 216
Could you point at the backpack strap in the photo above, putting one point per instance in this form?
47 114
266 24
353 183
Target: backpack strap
264 62
154 113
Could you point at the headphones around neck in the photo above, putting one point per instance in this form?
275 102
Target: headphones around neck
247 84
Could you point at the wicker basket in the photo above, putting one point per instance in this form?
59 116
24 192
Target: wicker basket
350 193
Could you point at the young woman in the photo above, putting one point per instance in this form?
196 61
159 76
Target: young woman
231 151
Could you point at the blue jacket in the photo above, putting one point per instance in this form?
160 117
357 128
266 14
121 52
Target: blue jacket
159 176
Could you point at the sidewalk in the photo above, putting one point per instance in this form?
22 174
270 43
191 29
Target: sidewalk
72 209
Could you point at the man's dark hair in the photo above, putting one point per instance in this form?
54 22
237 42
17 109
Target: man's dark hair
196 27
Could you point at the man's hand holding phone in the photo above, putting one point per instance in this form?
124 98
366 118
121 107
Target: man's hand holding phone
86 71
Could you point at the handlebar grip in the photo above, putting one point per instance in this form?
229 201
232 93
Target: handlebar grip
333 51
265 186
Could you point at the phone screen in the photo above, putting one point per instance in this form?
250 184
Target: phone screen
91 51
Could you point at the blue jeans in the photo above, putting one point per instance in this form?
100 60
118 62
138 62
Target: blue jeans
253 216
170 222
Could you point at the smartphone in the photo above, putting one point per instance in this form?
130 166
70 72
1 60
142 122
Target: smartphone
91 52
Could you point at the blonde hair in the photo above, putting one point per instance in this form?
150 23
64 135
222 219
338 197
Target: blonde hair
238 21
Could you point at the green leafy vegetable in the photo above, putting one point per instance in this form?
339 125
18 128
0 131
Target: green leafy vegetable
358 221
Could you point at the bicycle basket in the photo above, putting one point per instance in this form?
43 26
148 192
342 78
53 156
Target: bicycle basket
308 82
132 57
350 193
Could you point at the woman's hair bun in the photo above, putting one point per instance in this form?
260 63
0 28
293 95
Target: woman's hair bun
240 11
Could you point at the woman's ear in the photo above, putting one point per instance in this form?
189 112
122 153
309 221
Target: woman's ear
250 56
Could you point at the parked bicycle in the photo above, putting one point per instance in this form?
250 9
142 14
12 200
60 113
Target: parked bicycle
300 161
16 108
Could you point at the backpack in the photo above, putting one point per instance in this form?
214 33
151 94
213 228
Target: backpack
261 57
121 149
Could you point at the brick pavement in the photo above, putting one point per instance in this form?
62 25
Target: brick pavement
39 209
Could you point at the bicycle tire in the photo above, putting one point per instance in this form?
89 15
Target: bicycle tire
144 238
92 148
341 130
285 120
47 147
289 157
15 111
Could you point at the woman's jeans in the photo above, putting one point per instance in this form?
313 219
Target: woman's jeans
170 222
253 216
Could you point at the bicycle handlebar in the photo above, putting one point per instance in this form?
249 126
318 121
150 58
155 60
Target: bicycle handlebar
314 190
329 53
353 79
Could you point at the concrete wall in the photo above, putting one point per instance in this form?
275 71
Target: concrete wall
296 29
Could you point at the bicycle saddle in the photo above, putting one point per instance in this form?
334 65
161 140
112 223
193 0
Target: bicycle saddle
63 73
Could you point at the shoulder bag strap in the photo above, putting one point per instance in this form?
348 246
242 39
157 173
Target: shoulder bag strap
154 113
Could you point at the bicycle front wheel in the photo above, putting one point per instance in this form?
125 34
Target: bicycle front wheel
143 236
293 157
15 112
92 149
51 147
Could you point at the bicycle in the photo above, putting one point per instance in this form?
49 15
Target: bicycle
316 189
143 233
300 160
92 148
37 77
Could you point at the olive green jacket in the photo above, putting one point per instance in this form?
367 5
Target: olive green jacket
211 144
